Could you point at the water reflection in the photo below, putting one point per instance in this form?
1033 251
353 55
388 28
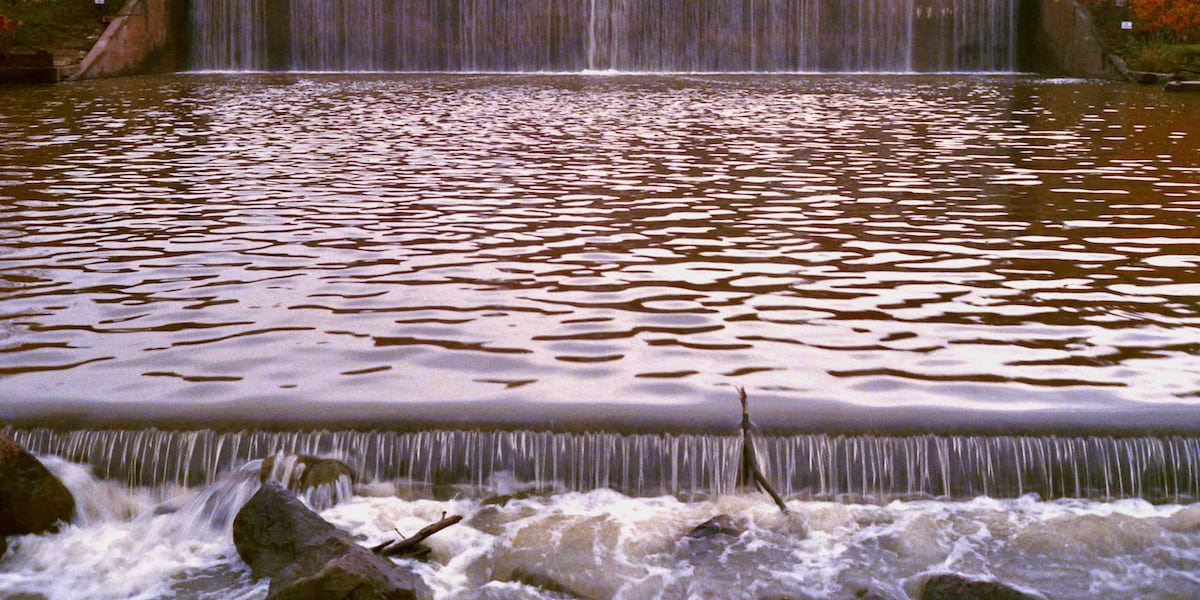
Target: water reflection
983 243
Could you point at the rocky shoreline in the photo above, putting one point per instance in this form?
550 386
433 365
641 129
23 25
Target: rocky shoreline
1182 80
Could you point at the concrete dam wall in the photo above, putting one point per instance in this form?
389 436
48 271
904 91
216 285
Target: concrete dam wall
1049 36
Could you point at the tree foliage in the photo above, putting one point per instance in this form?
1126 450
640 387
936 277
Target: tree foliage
1176 18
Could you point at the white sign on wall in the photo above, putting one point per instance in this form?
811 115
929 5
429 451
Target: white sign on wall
1126 24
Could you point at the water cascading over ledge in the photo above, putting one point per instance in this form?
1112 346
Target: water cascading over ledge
873 468
598 35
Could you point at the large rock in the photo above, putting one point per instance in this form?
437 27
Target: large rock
307 557
1146 77
32 500
949 586
324 482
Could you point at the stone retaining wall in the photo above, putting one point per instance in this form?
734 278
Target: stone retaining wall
1057 37
29 67
147 36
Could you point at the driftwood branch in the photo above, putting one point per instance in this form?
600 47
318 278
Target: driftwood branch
750 470
409 546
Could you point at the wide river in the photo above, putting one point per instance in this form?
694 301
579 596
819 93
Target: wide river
616 250
470 269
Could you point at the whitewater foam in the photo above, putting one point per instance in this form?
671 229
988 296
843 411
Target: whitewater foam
521 542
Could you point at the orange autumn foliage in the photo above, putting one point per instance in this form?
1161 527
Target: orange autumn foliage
1177 18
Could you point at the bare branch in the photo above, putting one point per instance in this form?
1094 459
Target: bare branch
408 546
750 470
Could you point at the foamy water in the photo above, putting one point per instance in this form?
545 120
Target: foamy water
176 543
141 543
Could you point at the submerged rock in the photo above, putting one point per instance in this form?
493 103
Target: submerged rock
322 481
1182 86
570 555
951 586
868 594
307 557
32 500
718 525
545 584
1146 77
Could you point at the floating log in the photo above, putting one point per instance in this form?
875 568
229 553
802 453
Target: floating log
409 545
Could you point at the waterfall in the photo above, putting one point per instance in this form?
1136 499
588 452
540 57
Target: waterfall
878 468
622 35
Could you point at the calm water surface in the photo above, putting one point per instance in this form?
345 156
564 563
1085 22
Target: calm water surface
608 248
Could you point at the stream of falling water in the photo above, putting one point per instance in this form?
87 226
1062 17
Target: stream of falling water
813 466
620 35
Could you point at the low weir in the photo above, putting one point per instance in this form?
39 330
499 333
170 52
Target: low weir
601 35
812 466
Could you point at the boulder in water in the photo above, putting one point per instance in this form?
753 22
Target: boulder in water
563 554
32 500
307 557
951 586
347 576
322 481
718 525
1146 77
1182 86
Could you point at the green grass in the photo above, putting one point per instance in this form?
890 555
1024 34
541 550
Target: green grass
1144 50
58 26
1161 57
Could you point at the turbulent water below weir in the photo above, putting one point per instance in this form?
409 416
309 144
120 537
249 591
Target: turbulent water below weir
516 542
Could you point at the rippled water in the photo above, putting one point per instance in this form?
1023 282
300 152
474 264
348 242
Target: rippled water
611 248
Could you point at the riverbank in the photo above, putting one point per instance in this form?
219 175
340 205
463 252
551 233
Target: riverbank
1142 49
64 29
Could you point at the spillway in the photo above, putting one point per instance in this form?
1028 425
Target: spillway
602 35
812 466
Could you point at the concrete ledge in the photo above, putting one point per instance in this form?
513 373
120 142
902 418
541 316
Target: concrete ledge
28 67
141 38
1182 86
1060 39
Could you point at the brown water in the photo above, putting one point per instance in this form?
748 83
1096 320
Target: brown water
856 251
